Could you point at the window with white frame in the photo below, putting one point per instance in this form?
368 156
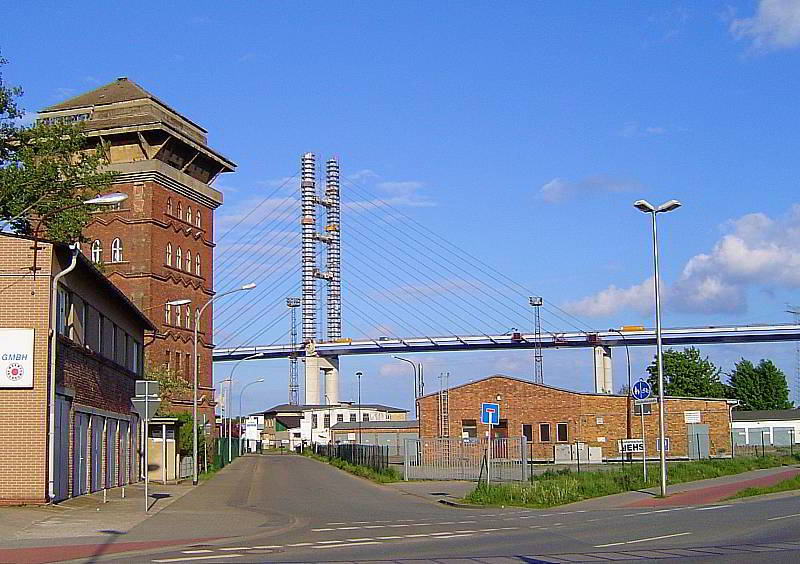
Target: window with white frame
353 417
197 264
169 206
97 251
178 316
180 211
197 219
561 432
544 432
188 261
365 416
169 254
116 250
178 258
340 417
313 420
188 317
167 313
189 214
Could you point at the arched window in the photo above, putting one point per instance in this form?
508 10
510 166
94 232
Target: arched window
189 215
116 250
169 206
180 211
197 318
197 264
188 317
197 218
97 251
178 316
169 254
167 314
188 261
178 258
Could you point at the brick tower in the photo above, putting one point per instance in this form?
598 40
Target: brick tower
158 245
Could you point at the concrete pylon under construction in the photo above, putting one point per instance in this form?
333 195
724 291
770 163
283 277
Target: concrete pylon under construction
314 364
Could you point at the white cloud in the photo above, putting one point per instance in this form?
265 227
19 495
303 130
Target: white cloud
755 252
635 129
776 25
559 189
364 174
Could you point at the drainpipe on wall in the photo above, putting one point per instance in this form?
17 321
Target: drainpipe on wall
51 446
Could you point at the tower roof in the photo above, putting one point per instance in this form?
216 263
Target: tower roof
121 90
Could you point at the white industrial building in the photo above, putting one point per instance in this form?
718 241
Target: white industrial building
292 425
775 427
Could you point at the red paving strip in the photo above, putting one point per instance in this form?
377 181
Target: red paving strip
42 554
713 494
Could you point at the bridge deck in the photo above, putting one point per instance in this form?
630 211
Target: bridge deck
522 341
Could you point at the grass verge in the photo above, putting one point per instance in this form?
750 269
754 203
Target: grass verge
382 476
784 486
565 486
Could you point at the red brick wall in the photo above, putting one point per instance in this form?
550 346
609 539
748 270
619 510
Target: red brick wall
590 418
145 228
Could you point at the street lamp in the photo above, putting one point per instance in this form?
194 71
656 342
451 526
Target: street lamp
646 207
249 286
229 379
241 395
414 366
107 199
358 375
628 402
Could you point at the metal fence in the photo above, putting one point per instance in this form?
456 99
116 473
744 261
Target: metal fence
466 459
373 456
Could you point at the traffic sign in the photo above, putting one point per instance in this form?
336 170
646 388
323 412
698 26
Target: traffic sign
641 390
146 406
490 413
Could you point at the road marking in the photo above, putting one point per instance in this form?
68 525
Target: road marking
712 507
190 558
642 540
347 544
651 512
417 535
389 537
320 530
204 551
330 542
454 536
268 546
299 544
374 527
783 517
360 540
346 528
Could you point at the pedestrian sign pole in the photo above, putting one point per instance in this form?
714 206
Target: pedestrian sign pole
641 392
146 403
490 415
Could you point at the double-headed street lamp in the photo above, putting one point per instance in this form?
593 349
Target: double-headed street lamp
194 386
229 379
646 207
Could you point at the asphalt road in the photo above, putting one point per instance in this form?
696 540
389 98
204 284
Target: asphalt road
293 509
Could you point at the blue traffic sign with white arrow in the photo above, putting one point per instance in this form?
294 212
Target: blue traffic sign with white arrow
641 390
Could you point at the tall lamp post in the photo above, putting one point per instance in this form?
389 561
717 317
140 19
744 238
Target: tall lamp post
104 200
229 379
358 375
628 402
194 385
646 207
241 395
414 366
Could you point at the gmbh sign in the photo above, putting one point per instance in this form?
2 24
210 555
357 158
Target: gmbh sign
16 358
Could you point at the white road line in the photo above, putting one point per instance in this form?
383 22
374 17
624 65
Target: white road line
360 540
389 537
329 542
234 549
642 540
347 528
337 523
417 535
783 517
191 558
454 536
269 546
397 526
651 512
301 544
712 507
320 530
347 544
204 551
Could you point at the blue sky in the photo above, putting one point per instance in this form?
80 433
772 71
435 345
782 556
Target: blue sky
521 133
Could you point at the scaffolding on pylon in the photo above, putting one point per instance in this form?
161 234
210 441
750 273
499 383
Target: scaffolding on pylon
538 375
294 387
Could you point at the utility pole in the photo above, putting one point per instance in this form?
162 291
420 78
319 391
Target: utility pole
795 311
294 387
538 376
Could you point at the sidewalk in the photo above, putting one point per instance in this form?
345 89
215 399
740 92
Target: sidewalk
434 490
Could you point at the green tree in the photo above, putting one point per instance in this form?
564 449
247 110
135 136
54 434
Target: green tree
171 386
686 373
760 387
44 169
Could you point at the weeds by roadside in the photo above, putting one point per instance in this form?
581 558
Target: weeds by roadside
565 486
382 477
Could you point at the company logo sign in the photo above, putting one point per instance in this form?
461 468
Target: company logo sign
16 358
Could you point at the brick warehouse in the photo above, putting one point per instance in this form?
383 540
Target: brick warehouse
100 336
158 245
549 416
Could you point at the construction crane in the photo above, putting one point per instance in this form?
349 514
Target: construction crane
294 387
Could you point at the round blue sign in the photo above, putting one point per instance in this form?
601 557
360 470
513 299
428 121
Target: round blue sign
641 390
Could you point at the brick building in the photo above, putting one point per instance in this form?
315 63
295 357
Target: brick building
549 416
100 337
157 246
